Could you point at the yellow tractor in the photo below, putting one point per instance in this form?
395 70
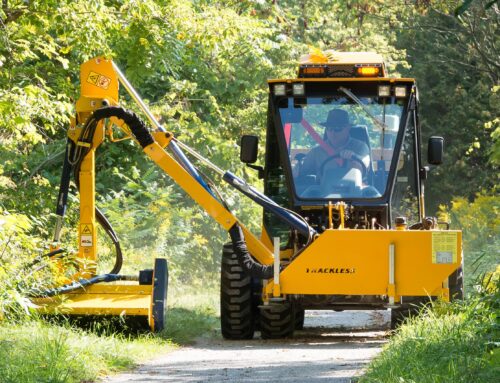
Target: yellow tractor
344 225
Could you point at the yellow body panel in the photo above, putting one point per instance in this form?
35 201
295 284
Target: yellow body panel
87 232
98 79
356 262
98 82
101 299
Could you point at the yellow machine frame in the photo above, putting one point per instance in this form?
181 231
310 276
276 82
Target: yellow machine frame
386 263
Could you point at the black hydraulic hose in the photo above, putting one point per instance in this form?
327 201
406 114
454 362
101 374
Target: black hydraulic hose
103 221
289 217
80 284
136 125
62 198
246 261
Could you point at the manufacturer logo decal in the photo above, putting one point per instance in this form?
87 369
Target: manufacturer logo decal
330 270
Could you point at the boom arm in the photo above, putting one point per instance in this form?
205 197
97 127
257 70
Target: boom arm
99 101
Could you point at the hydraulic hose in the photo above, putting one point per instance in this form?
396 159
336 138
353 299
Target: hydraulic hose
81 284
136 125
103 221
289 217
246 261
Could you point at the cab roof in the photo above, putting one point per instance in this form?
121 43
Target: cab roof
330 65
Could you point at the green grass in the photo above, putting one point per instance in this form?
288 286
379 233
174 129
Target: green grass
35 351
57 351
192 314
457 343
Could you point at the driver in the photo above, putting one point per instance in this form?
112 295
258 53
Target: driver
343 150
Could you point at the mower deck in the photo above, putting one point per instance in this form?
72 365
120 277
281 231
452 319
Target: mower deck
103 299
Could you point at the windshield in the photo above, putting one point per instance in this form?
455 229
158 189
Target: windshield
340 147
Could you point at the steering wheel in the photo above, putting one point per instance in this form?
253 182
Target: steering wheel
354 158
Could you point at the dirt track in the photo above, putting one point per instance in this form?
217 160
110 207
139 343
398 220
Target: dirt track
326 351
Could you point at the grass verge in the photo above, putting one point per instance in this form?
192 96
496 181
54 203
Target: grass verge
192 314
446 343
36 351
57 352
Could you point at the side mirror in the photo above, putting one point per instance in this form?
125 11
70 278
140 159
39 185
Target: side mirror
249 149
435 150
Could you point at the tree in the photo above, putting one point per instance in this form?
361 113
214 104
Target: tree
454 61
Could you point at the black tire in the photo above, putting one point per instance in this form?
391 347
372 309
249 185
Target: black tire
412 308
256 301
299 319
160 289
456 285
237 309
277 321
398 316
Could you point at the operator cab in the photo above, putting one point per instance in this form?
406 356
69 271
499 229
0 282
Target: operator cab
318 170
343 132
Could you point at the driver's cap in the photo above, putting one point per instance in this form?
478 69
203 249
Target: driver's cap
337 118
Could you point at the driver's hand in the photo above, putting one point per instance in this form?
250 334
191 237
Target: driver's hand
346 154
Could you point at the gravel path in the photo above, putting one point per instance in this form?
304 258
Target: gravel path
326 351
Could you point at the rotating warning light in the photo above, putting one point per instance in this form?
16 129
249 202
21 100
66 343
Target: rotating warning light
368 71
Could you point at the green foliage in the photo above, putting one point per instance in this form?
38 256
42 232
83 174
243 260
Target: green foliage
493 126
17 250
190 60
452 60
193 312
480 223
457 343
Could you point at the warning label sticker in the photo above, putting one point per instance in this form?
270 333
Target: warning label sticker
85 235
85 240
444 247
85 229
99 80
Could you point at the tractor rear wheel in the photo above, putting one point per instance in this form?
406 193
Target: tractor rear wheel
456 285
398 316
277 320
299 319
238 313
412 308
